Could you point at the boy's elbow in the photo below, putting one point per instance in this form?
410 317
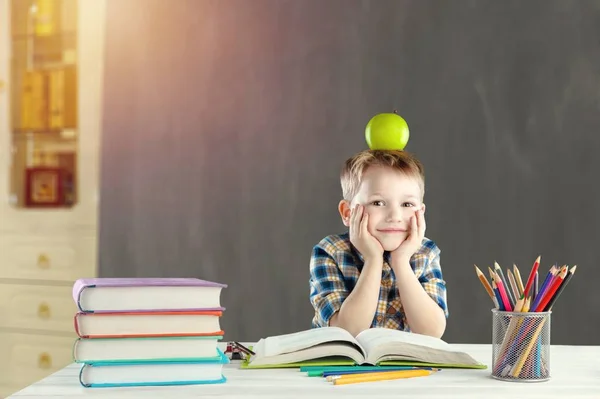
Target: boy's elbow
440 327
439 331
336 322
434 328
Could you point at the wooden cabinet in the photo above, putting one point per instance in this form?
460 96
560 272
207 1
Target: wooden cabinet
51 51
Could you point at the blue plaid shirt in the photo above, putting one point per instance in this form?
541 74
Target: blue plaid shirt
336 264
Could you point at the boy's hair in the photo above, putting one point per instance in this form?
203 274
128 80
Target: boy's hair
355 167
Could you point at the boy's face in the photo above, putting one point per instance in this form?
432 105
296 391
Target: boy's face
390 198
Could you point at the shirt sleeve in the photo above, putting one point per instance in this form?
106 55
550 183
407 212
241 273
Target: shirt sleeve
327 287
433 282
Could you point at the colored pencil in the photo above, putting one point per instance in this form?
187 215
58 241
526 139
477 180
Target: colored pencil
518 279
505 283
371 377
560 289
498 296
513 285
503 294
550 292
544 286
516 370
486 285
536 284
333 375
536 264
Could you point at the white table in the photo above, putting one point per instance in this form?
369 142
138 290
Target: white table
575 372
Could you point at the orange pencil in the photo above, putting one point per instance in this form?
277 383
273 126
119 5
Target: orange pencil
486 285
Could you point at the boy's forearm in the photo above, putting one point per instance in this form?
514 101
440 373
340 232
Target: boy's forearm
423 314
358 309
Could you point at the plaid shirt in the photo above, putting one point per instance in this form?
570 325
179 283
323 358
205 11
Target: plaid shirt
335 266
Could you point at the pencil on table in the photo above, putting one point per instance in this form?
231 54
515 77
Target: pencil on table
561 288
486 285
334 375
371 377
500 274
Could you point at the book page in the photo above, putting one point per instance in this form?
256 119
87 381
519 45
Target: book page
293 342
383 344
378 336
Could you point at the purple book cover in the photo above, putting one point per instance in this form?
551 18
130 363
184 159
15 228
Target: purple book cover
85 283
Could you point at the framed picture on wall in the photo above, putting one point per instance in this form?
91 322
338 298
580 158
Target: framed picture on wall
43 187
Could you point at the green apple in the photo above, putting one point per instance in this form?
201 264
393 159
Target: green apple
387 131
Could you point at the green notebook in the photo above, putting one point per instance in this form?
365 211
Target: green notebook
334 346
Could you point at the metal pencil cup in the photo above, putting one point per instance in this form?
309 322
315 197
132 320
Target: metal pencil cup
521 346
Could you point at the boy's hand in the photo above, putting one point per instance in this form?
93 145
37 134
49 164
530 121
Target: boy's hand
413 241
360 236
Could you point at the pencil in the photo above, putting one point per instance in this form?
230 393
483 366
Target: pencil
551 290
536 284
536 264
516 370
498 297
518 279
333 375
526 305
544 286
496 291
486 285
513 285
509 335
499 272
561 288
503 295
371 377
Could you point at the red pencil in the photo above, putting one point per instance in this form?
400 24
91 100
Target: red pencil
552 289
534 269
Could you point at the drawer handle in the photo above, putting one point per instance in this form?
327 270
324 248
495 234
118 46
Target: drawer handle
44 361
44 311
43 261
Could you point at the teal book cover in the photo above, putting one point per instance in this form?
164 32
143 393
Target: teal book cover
153 373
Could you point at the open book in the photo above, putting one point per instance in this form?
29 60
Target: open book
375 346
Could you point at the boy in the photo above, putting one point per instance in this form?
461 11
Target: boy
383 272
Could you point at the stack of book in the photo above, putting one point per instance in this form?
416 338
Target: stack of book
148 331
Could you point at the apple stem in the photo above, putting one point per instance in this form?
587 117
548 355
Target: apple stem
396 111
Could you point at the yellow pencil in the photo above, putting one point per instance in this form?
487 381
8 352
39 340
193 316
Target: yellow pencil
371 377
511 331
516 370
526 305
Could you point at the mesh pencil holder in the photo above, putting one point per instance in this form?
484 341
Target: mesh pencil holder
521 346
